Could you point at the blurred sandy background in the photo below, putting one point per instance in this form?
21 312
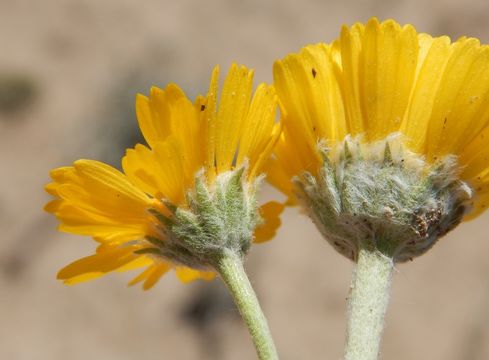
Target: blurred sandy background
69 71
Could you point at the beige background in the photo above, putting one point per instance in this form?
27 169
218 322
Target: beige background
68 74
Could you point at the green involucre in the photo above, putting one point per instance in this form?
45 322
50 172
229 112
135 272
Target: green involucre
219 218
382 197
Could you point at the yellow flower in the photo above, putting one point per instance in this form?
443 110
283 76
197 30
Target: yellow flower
192 146
381 83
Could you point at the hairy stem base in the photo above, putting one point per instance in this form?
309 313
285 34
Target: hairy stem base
367 305
230 267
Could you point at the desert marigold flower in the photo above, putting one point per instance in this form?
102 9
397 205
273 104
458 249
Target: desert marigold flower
385 145
187 197
386 136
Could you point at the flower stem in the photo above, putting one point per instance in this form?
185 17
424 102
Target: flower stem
230 267
367 305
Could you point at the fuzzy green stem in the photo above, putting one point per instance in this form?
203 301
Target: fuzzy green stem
367 305
230 267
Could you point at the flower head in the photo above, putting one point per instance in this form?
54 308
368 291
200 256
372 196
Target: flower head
184 199
386 135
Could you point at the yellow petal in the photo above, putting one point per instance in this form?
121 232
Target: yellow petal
287 163
101 178
270 212
169 156
97 200
169 114
186 274
279 177
233 108
257 166
209 114
159 171
188 130
155 113
388 65
350 47
480 204
142 168
53 206
475 157
297 79
442 127
470 110
238 123
307 86
142 276
97 265
113 229
151 275
258 124
158 271
432 60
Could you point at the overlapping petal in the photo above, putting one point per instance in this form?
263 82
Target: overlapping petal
270 213
95 199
